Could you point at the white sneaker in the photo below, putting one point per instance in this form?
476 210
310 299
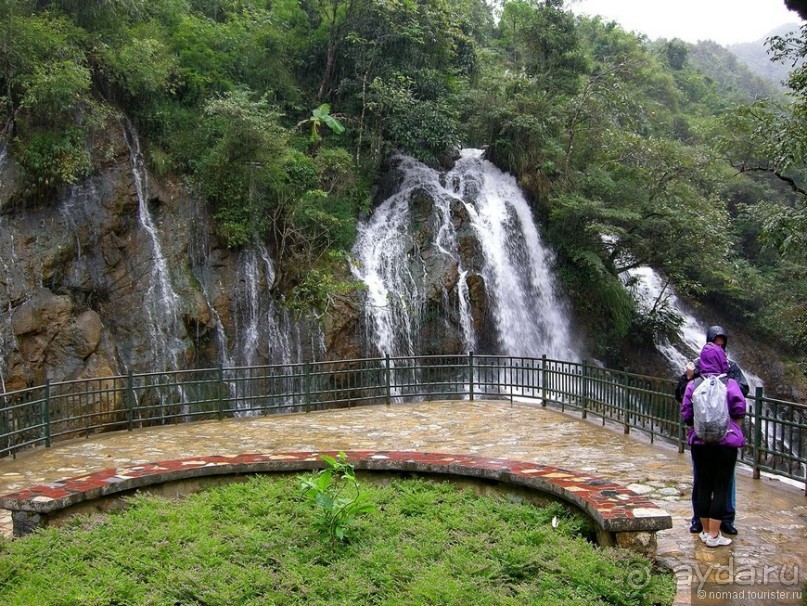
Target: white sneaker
704 536
718 541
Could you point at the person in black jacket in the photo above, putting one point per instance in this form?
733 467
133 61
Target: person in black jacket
717 335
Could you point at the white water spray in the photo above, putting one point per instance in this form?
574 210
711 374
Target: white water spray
161 303
647 287
528 318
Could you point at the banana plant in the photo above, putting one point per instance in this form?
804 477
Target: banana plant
319 116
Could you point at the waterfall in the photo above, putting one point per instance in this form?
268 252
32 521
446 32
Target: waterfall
161 304
261 331
473 203
530 318
252 328
6 278
647 286
264 332
380 252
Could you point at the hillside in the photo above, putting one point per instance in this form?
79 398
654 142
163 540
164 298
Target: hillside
755 56
733 75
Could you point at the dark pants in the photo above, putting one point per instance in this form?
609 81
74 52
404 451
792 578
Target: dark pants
731 511
713 471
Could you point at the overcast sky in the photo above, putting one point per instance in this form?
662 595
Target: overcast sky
724 21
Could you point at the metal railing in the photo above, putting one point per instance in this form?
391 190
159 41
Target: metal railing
776 430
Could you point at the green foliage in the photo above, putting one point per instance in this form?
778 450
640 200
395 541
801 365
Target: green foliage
422 128
677 54
53 157
337 497
250 543
316 290
48 86
143 67
654 144
241 170
723 79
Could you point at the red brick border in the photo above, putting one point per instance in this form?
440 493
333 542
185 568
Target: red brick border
613 508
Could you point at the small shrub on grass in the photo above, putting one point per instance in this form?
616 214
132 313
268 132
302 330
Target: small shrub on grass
250 544
337 497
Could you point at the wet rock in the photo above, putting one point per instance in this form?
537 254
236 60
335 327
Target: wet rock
37 322
89 327
341 328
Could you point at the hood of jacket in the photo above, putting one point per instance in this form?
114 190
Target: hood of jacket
713 360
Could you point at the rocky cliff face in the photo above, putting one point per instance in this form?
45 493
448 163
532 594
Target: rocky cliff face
123 272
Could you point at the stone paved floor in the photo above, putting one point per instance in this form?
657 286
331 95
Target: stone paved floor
772 516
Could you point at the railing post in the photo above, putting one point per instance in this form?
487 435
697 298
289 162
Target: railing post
46 413
512 380
220 390
388 378
758 431
626 411
471 375
681 435
307 384
544 379
129 400
585 389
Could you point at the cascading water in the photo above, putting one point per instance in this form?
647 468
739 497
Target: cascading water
648 288
401 269
263 332
255 331
161 304
530 318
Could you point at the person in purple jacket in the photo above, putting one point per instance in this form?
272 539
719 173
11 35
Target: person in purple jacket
714 463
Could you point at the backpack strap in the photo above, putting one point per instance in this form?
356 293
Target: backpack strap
724 378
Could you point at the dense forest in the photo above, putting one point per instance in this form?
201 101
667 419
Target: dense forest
280 115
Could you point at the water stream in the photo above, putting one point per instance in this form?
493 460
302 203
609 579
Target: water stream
161 304
264 332
648 287
527 316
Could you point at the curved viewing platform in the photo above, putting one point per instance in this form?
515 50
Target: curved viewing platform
776 430
595 422
772 515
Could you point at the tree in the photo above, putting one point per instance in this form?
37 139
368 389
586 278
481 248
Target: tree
769 138
241 171
47 94
336 17
677 53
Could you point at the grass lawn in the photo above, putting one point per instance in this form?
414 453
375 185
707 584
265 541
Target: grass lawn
427 542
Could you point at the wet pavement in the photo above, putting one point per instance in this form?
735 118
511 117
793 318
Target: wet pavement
766 557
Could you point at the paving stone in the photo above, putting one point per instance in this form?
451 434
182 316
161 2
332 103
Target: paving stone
770 514
640 488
